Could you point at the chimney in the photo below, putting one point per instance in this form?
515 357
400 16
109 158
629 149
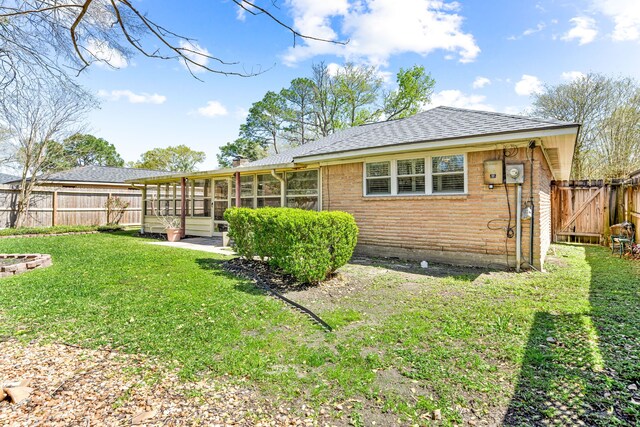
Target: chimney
239 161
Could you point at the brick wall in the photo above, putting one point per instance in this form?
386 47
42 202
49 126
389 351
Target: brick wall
452 229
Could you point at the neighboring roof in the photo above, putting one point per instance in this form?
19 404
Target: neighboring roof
437 124
4 178
103 174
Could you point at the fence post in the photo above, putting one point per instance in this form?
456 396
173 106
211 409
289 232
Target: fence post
54 208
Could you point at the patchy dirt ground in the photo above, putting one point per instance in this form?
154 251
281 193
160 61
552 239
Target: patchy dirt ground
80 387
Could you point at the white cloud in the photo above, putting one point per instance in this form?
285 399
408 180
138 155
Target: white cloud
572 75
241 113
132 97
541 26
105 54
510 109
379 29
584 30
195 53
528 85
626 17
480 82
456 98
386 76
213 109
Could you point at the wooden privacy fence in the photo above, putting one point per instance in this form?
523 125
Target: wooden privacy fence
70 206
583 211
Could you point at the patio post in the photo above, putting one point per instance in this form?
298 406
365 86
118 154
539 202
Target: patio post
237 189
183 207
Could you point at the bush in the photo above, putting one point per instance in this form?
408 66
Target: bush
58 229
308 245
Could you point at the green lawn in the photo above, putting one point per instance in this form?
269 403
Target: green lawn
534 348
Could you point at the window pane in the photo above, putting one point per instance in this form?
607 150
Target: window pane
411 167
414 184
378 185
202 208
166 191
221 189
450 183
166 207
308 203
201 188
246 203
448 164
379 169
246 186
268 186
273 202
302 183
218 210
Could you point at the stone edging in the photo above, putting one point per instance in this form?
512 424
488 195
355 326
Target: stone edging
31 262
16 236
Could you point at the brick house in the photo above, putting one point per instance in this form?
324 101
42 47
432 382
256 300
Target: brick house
442 185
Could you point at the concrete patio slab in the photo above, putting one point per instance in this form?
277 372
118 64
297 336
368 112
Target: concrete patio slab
205 244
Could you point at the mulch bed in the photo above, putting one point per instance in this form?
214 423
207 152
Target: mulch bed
257 270
73 386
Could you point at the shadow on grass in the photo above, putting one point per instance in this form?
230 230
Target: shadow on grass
581 369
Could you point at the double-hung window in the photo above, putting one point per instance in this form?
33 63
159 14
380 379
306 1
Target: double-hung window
447 174
416 176
378 178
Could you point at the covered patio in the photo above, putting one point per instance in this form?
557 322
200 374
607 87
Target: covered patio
200 199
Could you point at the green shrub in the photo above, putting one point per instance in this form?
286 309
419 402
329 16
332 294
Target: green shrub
58 229
306 244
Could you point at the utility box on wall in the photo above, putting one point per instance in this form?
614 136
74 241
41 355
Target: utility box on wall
493 172
514 174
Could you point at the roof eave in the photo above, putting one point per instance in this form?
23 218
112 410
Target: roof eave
214 172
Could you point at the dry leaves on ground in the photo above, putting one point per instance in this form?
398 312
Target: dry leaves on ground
73 386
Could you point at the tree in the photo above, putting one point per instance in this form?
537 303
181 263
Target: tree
54 34
176 159
415 88
35 113
326 103
357 88
84 150
298 112
265 119
605 107
250 149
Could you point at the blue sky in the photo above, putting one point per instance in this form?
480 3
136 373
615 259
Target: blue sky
488 55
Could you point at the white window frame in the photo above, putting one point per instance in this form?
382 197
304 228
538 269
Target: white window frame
392 173
428 175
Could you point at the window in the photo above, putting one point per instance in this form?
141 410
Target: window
247 191
379 178
202 198
447 174
416 176
167 205
411 176
268 191
302 189
151 200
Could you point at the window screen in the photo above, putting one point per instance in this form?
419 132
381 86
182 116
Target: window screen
448 174
378 177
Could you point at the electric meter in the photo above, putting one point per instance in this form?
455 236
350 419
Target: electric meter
515 174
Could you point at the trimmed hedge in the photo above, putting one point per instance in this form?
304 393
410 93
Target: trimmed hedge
308 245
58 229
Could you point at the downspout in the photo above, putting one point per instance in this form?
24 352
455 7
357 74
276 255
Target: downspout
183 207
532 145
238 189
283 196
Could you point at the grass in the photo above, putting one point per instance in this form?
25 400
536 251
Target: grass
527 348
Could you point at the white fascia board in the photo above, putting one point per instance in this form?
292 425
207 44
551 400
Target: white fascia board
439 144
210 173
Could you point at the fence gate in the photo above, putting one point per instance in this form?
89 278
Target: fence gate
579 211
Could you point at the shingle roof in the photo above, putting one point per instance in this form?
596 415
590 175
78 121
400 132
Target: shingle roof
4 178
105 174
437 124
